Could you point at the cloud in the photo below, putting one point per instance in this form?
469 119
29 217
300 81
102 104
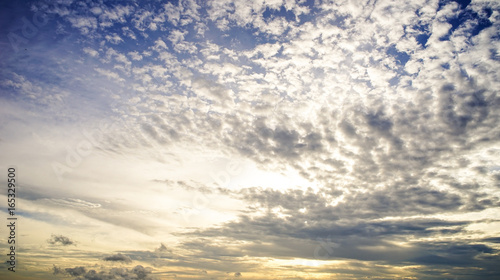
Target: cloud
76 271
60 240
109 74
80 273
57 270
84 24
135 55
162 249
118 258
142 19
75 203
114 38
116 14
129 33
91 52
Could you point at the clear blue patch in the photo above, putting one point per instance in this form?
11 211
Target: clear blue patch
422 39
401 57
424 35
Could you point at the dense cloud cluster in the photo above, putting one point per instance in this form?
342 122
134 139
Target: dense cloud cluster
81 273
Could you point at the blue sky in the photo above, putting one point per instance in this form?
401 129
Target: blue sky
252 139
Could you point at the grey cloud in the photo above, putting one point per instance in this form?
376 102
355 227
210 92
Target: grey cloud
393 200
379 122
138 272
162 248
462 111
201 256
412 200
362 241
282 143
295 226
159 257
481 201
118 258
492 239
60 240
347 225
57 270
209 89
152 133
76 271
458 254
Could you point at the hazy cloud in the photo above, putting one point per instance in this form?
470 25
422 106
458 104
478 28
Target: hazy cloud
60 240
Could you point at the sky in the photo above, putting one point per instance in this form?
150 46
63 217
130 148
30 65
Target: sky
266 139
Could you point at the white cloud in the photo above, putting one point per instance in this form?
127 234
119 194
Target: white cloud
173 13
114 39
160 45
176 36
129 33
84 24
110 74
116 14
142 19
91 52
135 55
96 10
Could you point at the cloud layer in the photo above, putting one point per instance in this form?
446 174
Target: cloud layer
306 139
